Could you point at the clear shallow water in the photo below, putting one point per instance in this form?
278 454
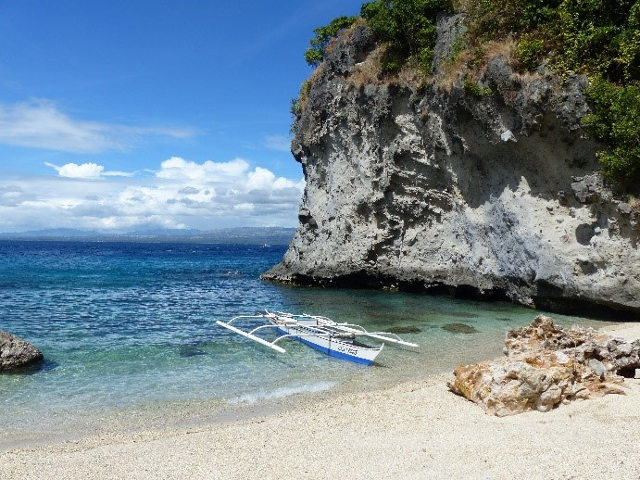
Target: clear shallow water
124 326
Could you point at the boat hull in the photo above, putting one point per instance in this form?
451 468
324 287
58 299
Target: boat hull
330 345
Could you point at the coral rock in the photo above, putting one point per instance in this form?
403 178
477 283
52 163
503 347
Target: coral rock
544 366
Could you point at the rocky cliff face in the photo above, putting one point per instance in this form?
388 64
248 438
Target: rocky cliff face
439 187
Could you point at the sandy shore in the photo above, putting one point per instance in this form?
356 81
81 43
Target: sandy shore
416 430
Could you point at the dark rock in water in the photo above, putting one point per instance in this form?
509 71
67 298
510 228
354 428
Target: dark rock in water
503 319
459 328
400 330
16 354
191 351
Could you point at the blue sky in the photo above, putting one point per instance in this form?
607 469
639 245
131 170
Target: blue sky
122 115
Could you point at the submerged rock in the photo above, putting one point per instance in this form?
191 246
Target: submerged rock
191 351
16 353
459 328
546 365
398 330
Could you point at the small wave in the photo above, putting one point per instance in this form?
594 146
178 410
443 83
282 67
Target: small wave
283 392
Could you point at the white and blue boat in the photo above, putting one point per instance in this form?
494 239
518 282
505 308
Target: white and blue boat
338 340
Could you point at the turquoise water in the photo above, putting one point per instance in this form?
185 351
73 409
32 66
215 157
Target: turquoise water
124 326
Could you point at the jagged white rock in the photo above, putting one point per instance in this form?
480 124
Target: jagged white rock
544 366
508 136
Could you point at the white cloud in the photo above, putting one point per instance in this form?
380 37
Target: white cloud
118 173
72 170
177 168
280 143
260 179
40 124
86 170
181 194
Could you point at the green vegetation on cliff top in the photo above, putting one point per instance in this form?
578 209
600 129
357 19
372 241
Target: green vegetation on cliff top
315 54
598 38
408 28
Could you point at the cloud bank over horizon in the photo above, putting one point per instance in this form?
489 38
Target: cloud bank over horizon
178 194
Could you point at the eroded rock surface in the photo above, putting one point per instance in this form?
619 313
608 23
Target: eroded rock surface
16 353
431 188
546 365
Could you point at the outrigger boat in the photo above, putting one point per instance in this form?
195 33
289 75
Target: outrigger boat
321 333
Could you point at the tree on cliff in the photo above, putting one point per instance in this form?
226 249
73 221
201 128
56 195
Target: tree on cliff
315 54
409 28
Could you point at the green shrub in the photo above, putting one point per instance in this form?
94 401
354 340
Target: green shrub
629 48
391 62
298 104
315 54
530 51
597 37
489 19
615 121
475 90
295 108
408 26
589 32
424 58
493 19
459 46
536 14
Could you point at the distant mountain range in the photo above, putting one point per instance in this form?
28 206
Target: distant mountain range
237 235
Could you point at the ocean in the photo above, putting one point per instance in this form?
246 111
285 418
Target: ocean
129 336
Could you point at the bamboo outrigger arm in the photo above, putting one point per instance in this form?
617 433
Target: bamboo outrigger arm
253 337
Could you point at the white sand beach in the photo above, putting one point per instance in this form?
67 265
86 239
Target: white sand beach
416 430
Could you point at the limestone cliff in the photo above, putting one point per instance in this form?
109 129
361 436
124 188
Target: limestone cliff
433 186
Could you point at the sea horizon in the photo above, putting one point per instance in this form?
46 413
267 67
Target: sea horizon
247 235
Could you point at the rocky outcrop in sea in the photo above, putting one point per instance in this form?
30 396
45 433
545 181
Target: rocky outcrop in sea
545 366
489 191
16 354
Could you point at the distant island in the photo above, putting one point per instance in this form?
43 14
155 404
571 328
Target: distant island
235 235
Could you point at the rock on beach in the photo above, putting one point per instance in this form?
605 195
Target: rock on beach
16 353
545 366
